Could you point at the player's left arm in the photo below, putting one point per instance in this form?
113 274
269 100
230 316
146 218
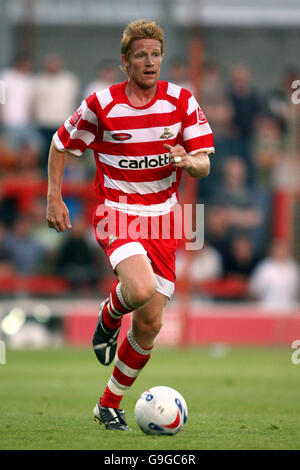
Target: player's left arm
197 165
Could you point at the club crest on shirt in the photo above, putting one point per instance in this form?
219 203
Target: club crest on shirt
111 239
167 134
201 116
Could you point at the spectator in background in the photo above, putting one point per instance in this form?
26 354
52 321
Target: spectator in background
245 102
178 74
8 158
8 208
246 106
240 259
55 97
28 166
16 115
26 253
284 109
216 229
6 262
217 107
219 113
50 240
206 264
278 101
236 198
75 171
245 209
268 151
275 281
107 75
76 258
21 163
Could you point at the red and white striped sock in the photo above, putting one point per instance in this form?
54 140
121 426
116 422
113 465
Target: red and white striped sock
130 359
116 307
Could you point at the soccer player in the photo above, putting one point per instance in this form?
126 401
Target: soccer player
144 133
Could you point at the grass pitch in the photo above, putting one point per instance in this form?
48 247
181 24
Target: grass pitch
247 399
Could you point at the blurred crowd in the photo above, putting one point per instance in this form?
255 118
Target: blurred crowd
255 154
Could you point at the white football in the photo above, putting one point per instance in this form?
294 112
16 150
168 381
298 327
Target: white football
161 411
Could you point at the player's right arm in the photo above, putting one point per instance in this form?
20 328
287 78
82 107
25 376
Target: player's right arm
57 211
76 134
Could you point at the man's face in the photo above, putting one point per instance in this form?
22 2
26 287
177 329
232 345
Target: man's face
144 62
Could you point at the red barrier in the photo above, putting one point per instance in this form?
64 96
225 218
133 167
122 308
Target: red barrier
27 191
243 326
34 285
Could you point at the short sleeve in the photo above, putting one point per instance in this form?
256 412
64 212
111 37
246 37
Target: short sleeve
80 130
196 131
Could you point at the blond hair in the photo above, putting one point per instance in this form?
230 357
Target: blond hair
140 29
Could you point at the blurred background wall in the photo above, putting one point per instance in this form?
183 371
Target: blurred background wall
264 34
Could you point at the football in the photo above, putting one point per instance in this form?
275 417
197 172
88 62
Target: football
161 410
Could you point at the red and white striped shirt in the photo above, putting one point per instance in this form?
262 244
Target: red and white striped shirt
128 143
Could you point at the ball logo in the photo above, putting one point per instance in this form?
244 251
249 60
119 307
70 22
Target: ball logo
175 422
121 136
161 410
178 403
148 397
155 427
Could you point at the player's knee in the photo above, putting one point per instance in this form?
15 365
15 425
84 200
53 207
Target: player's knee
147 328
141 293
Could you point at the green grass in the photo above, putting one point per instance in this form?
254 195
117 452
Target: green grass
248 399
